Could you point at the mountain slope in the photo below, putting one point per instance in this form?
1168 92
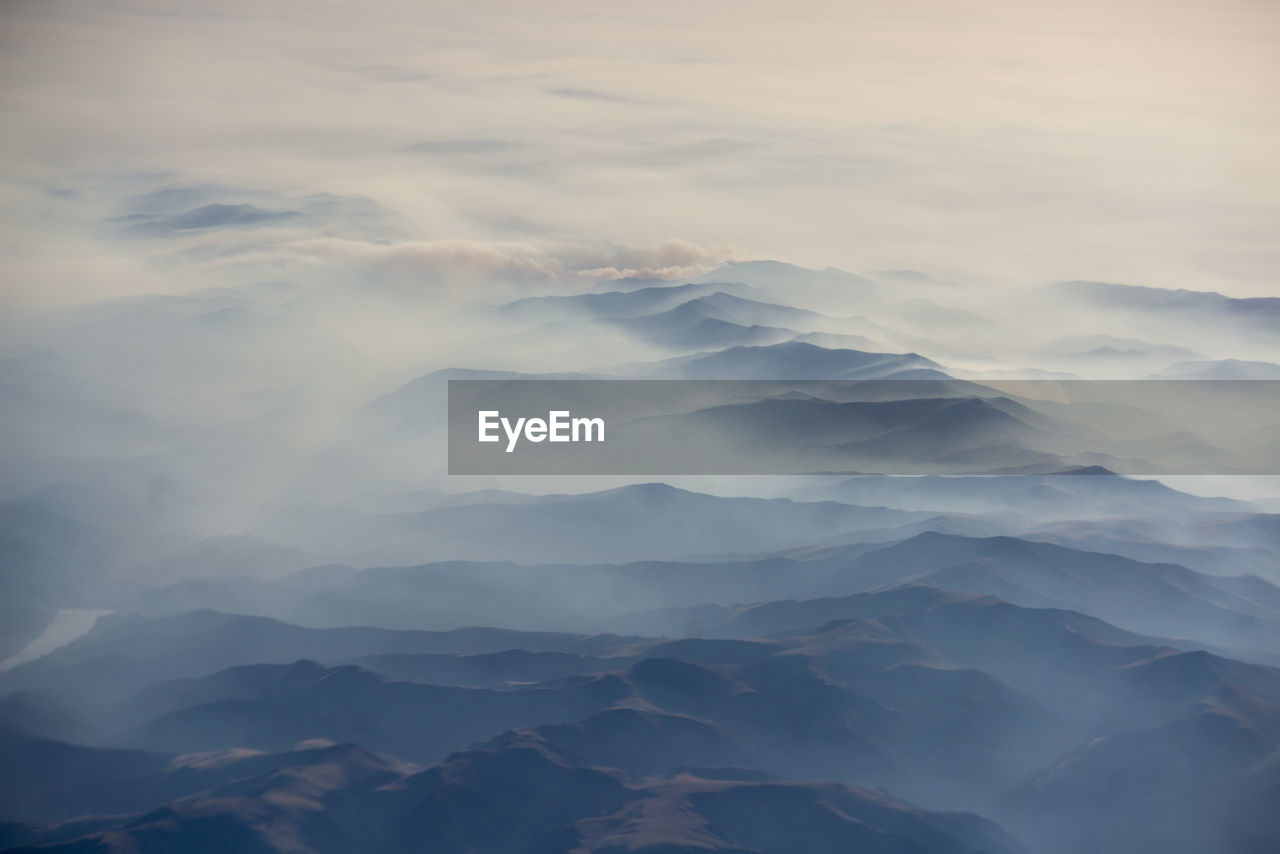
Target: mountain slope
1159 599
527 797
796 360
1259 315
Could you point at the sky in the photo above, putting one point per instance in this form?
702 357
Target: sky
1000 145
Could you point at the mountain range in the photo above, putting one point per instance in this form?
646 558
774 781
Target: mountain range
244 608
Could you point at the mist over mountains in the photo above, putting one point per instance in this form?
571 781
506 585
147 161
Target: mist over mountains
315 640
928 357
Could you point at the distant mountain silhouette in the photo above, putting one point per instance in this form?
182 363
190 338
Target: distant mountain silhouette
698 325
1111 347
797 360
646 521
789 280
641 301
1258 314
1052 495
1158 599
916 434
1222 369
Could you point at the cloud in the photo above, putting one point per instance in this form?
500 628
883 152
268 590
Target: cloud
511 262
451 147
1127 148
454 258
670 259
594 95
209 216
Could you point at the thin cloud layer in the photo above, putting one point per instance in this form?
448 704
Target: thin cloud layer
586 263
999 144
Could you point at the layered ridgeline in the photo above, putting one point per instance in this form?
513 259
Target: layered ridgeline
956 701
317 642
